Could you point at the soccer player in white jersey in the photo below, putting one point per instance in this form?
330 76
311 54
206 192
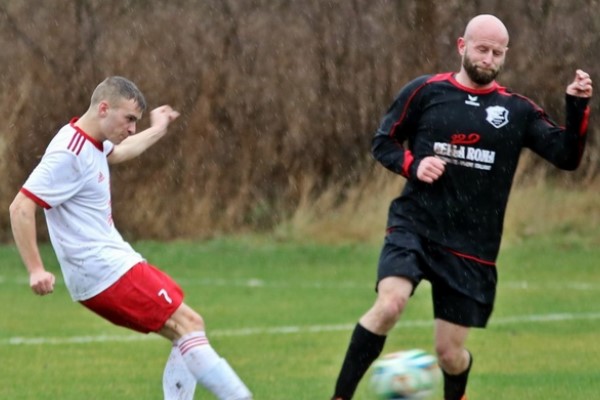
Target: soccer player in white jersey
102 271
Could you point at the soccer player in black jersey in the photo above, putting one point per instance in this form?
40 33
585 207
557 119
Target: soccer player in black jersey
456 138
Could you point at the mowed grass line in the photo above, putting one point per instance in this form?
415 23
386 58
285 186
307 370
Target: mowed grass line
260 287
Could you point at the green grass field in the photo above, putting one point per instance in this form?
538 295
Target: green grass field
281 313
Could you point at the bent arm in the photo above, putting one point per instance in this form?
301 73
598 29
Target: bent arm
22 219
391 154
566 153
397 128
387 145
562 146
136 144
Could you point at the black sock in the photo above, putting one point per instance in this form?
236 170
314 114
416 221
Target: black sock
363 349
455 386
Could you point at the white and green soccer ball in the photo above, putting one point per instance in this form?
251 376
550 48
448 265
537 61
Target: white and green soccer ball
405 375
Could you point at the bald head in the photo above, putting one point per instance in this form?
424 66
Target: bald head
487 27
483 50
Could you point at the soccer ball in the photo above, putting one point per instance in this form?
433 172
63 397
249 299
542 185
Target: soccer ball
405 375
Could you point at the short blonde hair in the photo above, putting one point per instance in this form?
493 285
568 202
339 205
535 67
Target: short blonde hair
115 88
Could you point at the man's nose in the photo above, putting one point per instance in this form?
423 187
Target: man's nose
489 57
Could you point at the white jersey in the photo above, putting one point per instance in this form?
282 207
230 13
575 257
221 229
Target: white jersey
72 184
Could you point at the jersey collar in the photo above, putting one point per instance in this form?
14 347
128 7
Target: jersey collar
495 86
96 143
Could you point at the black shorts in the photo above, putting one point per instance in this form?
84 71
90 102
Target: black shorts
463 288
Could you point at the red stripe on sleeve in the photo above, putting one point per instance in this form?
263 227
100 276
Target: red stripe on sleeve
36 199
584 123
408 160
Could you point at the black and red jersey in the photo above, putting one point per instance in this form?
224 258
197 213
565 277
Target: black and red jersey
480 134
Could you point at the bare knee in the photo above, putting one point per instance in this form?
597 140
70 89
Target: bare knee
384 314
453 360
446 354
450 346
195 323
183 321
392 306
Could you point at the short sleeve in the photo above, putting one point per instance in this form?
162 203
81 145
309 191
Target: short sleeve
56 179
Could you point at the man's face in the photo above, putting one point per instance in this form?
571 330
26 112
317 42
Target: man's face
119 120
483 61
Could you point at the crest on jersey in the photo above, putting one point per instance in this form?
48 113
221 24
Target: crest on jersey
497 116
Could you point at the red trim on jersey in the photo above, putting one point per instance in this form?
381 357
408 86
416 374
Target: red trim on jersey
36 199
440 77
584 123
408 160
403 114
583 130
539 109
76 143
447 76
450 77
479 260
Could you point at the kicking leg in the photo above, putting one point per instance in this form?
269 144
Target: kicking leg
186 329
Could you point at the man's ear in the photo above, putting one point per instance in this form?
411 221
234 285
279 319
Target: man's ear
461 44
103 109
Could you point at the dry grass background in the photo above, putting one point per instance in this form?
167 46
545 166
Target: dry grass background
536 206
279 101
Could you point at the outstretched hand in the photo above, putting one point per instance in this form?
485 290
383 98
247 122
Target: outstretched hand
581 85
162 116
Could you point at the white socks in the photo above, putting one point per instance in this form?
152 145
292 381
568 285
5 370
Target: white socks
178 381
210 370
